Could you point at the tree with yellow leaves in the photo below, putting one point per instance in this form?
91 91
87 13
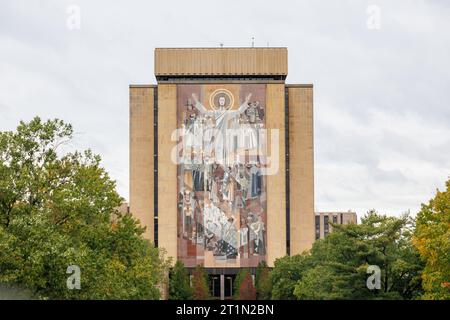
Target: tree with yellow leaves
432 239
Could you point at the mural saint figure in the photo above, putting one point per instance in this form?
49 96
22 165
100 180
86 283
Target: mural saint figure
221 117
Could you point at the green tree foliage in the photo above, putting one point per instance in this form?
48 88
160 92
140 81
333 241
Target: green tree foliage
286 273
200 284
58 210
262 281
432 239
179 283
338 263
246 289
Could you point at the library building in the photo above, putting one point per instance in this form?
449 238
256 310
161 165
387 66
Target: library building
222 159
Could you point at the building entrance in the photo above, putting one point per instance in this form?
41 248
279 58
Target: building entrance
222 286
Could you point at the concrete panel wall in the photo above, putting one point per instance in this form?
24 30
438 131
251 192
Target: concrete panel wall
276 186
220 61
301 156
141 156
167 169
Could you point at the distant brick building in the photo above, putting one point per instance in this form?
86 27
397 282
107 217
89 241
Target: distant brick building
323 220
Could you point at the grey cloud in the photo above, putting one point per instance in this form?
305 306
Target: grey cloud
381 97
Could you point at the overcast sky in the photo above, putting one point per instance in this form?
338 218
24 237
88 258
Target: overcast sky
381 86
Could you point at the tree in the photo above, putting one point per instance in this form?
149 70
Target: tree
262 281
238 280
245 288
339 262
59 209
200 284
432 240
286 273
179 283
317 283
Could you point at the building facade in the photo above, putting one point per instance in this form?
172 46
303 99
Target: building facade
323 220
222 159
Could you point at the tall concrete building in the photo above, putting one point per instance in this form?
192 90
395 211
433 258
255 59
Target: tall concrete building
221 159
